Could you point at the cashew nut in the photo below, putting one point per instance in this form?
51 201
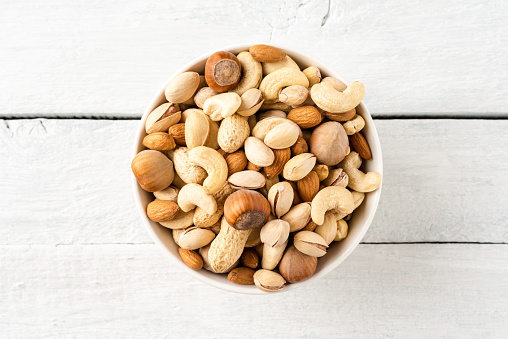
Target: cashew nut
358 180
333 197
214 164
252 73
192 195
329 99
270 67
354 125
222 105
272 84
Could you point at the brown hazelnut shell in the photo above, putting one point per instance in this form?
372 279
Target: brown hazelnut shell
246 209
222 71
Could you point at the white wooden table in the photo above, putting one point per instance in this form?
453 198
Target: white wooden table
75 259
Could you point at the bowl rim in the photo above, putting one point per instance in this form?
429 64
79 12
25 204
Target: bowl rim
226 285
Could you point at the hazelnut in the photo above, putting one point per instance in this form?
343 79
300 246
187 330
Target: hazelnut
222 71
153 170
296 266
246 209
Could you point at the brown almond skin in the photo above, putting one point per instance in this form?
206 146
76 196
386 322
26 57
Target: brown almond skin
252 167
161 210
296 266
159 141
308 186
178 133
329 143
341 116
266 53
249 258
360 145
192 259
236 162
222 71
305 116
299 147
281 157
242 276
296 196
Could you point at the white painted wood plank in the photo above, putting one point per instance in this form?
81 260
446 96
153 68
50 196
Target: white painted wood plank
402 291
109 57
68 181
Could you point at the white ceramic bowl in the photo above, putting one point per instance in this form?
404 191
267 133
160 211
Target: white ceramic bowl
337 252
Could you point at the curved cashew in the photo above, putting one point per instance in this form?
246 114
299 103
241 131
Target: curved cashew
354 125
222 105
270 67
214 164
192 195
358 180
252 73
272 84
333 197
329 99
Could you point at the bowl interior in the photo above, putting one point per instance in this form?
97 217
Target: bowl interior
337 252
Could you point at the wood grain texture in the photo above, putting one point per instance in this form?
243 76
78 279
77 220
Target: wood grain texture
68 182
402 291
109 57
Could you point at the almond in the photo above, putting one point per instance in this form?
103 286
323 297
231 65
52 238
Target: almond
308 186
281 157
178 133
161 210
236 162
360 145
191 259
159 141
305 116
252 167
242 276
299 147
249 258
265 53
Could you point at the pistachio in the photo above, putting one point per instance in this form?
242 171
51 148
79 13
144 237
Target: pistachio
194 237
293 95
275 232
272 255
203 94
298 216
170 193
328 230
282 136
247 180
342 229
299 166
258 153
182 87
268 281
336 177
280 197
251 102
310 243
179 221
273 113
162 118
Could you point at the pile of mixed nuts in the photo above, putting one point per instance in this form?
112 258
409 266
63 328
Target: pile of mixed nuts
256 165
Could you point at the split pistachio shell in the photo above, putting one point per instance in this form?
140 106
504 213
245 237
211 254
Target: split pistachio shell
162 118
268 281
299 166
328 230
258 153
282 136
310 243
180 220
342 229
247 180
272 255
182 87
298 216
336 177
170 193
251 102
280 197
195 237
275 232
